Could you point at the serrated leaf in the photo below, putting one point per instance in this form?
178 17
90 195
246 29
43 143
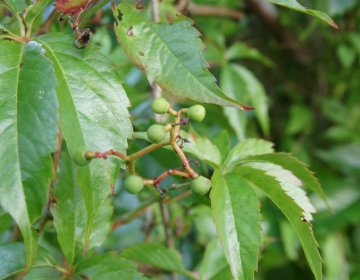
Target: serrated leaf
183 69
290 184
214 265
292 4
13 260
247 148
300 170
236 213
32 12
28 134
272 188
93 114
108 266
155 255
69 212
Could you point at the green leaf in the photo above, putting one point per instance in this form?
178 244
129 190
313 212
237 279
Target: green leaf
214 265
240 81
28 135
5 222
155 255
69 212
32 12
236 213
199 146
183 69
240 50
272 188
299 169
289 183
17 6
223 143
93 114
13 260
108 266
247 148
292 4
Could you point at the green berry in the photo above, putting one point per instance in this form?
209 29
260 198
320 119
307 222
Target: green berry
196 113
79 157
133 184
200 185
160 105
156 133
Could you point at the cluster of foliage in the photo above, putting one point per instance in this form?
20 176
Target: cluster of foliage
65 132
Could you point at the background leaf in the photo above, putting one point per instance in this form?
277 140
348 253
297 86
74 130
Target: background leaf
155 255
93 114
183 71
236 213
13 260
108 266
292 4
28 134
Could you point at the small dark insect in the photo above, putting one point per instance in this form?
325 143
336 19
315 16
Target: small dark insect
129 32
83 38
303 219
139 5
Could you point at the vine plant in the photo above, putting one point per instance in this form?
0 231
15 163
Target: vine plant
62 102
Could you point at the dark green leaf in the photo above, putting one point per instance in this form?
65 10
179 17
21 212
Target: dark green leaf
69 212
170 55
236 213
299 169
223 143
17 6
292 4
13 260
214 265
247 148
5 222
93 114
272 188
28 134
155 255
108 266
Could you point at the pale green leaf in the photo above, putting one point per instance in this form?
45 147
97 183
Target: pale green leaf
223 142
300 170
155 255
108 266
28 134
214 265
13 260
199 146
169 54
17 6
245 149
289 183
272 188
292 4
93 114
240 50
236 213
69 212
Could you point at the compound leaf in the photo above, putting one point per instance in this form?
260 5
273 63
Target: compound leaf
28 135
93 114
170 55
272 188
236 213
